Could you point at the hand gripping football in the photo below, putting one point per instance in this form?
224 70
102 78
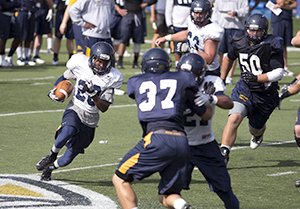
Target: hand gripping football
63 90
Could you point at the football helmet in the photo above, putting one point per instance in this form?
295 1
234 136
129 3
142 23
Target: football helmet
195 63
256 22
198 6
105 52
156 60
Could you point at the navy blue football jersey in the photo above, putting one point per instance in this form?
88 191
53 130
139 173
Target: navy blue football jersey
257 59
161 98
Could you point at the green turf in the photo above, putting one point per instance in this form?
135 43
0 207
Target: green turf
26 138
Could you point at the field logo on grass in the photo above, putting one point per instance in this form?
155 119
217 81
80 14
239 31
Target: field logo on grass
27 191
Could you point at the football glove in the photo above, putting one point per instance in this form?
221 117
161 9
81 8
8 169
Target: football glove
49 15
248 77
182 47
203 98
51 95
90 89
209 88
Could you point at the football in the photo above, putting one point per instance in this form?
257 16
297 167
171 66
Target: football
63 90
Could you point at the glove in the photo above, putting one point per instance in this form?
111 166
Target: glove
248 77
51 95
89 87
171 29
182 47
49 15
209 88
202 99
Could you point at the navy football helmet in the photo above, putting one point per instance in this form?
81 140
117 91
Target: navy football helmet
195 63
198 6
156 60
105 52
257 22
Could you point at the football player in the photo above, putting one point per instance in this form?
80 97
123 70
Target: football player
204 149
161 97
93 92
255 95
202 36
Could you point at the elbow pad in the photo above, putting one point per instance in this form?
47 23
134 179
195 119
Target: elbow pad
275 75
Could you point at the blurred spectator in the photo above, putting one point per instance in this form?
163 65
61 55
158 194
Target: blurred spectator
26 19
95 18
176 20
67 31
42 26
231 16
157 20
9 29
282 26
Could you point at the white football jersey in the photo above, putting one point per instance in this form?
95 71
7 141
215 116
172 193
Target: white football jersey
198 35
78 69
200 131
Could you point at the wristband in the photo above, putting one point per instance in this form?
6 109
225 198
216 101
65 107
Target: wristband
168 37
214 99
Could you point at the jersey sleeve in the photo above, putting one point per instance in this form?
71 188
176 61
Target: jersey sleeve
215 33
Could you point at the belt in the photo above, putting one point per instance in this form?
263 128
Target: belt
174 132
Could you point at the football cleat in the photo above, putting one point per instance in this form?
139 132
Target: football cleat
225 152
256 141
187 206
9 61
46 161
55 61
38 60
21 62
228 80
297 184
120 66
46 175
287 72
136 66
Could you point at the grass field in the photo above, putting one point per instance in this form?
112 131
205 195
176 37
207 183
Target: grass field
261 179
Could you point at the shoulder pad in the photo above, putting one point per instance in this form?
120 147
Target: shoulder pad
275 41
214 32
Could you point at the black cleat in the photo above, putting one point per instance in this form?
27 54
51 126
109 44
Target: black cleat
297 184
187 206
225 152
136 66
120 66
46 161
46 175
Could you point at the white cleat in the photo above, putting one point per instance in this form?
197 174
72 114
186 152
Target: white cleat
228 80
287 72
256 141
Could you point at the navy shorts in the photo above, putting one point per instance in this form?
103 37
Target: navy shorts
27 22
69 33
225 46
10 27
167 154
115 27
42 26
132 26
259 104
84 134
79 38
209 160
283 29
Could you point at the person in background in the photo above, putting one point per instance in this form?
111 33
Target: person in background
95 18
202 36
176 14
43 18
204 149
282 26
95 81
157 20
68 32
9 29
231 15
255 95
293 87
132 26
161 97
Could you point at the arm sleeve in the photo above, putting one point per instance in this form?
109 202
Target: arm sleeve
190 103
150 2
168 12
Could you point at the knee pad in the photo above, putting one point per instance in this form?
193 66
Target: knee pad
136 48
